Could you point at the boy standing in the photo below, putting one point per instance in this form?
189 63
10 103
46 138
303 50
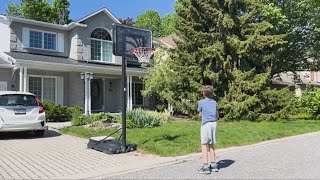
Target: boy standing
208 111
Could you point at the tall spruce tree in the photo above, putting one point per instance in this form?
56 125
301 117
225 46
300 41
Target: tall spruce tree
216 39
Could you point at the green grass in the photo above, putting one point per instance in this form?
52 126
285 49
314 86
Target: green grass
183 137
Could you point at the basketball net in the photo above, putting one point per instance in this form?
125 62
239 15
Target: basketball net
143 54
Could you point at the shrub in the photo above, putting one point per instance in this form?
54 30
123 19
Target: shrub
103 117
129 123
75 110
144 118
310 101
79 120
56 112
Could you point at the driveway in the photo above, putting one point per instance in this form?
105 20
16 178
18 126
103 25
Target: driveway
289 158
57 156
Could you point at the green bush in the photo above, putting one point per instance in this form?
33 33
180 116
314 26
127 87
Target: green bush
59 113
79 120
103 117
75 110
56 112
129 123
144 118
310 101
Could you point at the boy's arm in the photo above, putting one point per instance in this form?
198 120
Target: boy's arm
217 112
199 109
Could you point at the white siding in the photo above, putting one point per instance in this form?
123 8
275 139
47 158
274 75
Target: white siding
4 35
60 42
25 37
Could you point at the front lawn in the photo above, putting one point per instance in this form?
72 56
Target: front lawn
183 137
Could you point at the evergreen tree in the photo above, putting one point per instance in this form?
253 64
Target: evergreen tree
217 37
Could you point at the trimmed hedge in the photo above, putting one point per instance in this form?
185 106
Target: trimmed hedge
59 113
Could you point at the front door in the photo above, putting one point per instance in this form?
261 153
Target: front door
97 95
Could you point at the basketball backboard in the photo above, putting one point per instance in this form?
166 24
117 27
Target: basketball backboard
125 38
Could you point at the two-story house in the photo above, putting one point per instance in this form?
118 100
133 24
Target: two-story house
48 59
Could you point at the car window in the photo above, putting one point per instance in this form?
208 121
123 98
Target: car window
18 99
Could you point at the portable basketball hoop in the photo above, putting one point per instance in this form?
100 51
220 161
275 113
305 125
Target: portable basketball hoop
127 41
143 53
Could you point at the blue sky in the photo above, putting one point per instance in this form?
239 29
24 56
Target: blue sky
119 8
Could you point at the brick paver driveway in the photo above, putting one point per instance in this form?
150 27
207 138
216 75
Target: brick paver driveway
57 156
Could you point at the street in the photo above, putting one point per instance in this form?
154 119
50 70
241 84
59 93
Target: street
290 158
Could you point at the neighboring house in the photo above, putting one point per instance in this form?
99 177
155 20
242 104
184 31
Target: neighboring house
48 59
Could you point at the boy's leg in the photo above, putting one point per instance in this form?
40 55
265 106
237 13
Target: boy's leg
204 148
212 153
205 169
204 139
213 164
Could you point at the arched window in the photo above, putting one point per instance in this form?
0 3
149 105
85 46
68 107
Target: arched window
101 45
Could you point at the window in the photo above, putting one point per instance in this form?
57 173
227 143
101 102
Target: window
18 99
43 40
137 98
43 87
101 45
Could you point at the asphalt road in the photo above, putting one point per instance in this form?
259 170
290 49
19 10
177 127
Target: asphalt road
290 158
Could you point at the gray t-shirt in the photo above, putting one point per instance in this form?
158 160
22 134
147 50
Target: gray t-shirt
208 108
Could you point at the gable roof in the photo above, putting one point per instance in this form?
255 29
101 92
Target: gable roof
104 10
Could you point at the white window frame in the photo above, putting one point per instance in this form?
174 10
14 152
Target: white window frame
133 94
55 84
101 40
42 45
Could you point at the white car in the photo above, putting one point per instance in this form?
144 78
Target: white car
21 111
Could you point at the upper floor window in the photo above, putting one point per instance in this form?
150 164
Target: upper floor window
43 40
101 45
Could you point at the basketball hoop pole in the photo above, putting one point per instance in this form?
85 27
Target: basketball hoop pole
124 103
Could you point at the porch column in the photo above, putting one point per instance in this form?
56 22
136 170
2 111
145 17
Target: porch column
87 92
21 79
25 73
129 93
104 95
90 77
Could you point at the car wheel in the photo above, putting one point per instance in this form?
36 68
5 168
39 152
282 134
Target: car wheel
39 133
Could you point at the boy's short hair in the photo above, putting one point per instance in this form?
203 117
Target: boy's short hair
207 91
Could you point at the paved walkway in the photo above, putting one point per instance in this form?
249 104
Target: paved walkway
57 156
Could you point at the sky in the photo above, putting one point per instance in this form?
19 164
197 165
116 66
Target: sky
119 8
